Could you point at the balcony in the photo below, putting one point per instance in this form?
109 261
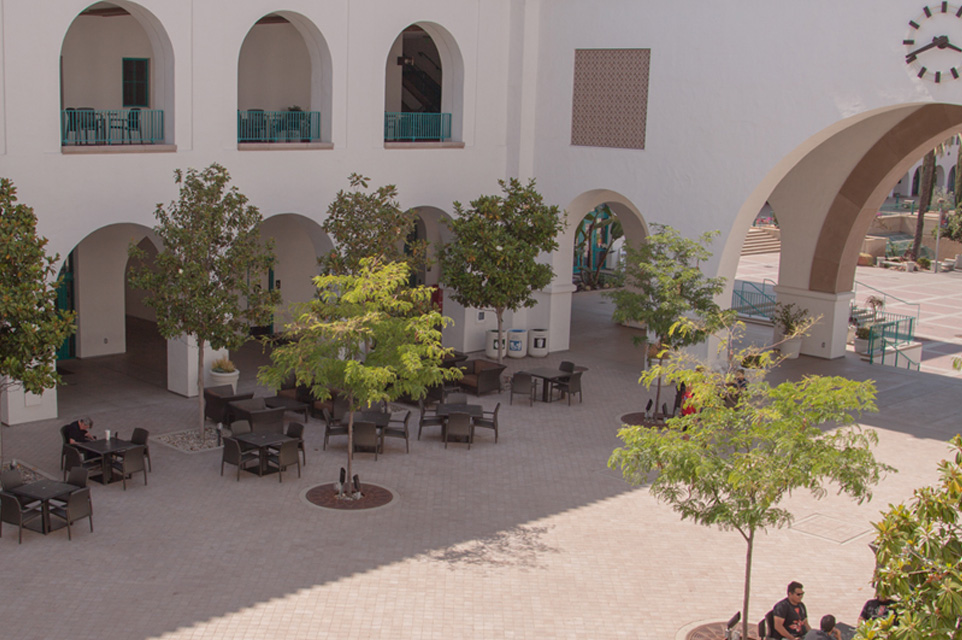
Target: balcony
107 127
417 127
258 126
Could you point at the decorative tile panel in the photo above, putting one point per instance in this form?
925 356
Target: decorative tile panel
610 98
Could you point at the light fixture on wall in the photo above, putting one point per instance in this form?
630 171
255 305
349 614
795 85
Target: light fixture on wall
405 60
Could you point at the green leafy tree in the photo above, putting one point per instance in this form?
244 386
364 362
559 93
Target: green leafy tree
492 261
926 189
661 281
596 233
370 224
748 445
31 326
367 336
206 279
919 560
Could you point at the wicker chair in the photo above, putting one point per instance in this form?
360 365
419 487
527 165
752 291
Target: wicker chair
332 427
296 430
459 426
140 436
365 437
570 386
523 385
489 420
397 429
285 456
428 419
77 507
129 463
75 459
65 445
233 454
10 479
12 512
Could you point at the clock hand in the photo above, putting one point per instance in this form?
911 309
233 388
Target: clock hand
949 45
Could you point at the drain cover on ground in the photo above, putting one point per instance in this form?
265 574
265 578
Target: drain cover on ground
372 497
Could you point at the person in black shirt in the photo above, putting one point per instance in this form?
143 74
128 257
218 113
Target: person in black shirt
789 615
877 607
79 431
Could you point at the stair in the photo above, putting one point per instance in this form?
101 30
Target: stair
760 241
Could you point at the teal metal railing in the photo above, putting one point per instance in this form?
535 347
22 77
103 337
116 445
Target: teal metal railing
888 352
257 125
889 332
887 301
413 127
753 299
83 126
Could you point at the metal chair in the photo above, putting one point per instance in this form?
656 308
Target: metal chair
233 454
12 512
129 463
77 507
459 426
365 437
489 420
286 456
397 429
427 419
296 430
140 436
523 385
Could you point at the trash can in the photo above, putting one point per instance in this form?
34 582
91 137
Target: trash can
539 343
491 344
518 343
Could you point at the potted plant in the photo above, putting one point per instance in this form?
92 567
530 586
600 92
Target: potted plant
223 371
862 335
789 321
877 304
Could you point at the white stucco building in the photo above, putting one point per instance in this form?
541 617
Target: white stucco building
693 115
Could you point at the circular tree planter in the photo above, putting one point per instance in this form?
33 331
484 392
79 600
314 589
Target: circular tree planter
373 496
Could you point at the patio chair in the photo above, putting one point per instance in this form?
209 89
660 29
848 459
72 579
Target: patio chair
456 398
77 507
140 436
216 398
397 429
130 462
489 420
428 418
523 385
286 456
66 444
12 512
75 459
365 437
459 426
332 427
268 420
233 454
78 477
10 479
296 430
567 366
570 386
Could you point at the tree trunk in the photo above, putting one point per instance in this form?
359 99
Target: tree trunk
925 199
957 187
200 386
350 444
499 312
748 584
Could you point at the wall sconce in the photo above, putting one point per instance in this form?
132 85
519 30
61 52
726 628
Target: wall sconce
405 60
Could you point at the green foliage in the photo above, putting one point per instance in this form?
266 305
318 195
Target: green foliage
223 365
370 225
206 280
730 463
601 225
31 327
789 318
919 560
368 336
492 262
953 224
662 282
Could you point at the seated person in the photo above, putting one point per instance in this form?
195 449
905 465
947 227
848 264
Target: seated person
877 607
789 615
79 431
826 631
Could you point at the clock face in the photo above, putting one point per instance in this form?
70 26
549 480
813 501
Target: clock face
933 44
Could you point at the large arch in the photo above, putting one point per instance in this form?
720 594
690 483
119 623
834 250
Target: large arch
317 95
303 242
161 50
826 193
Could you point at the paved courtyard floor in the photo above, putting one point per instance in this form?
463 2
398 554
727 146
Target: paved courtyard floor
533 537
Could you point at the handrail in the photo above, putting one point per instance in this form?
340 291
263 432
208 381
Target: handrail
256 125
412 127
87 126
886 296
895 352
755 300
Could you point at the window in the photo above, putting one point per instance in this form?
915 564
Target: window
136 82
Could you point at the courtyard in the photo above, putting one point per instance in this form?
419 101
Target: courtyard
530 537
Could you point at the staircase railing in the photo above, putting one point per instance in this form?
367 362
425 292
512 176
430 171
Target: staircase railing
887 351
886 297
753 299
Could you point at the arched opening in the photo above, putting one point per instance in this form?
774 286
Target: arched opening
826 194
423 86
433 228
298 243
284 82
116 78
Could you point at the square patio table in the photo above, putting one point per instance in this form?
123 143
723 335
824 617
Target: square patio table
549 376
379 418
288 403
106 449
241 409
44 491
263 442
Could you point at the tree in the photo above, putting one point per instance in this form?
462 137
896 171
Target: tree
368 336
661 281
31 326
730 463
926 188
370 225
492 262
919 560
596 233
206 279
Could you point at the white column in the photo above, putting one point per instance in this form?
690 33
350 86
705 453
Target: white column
827 338
18 406
182 365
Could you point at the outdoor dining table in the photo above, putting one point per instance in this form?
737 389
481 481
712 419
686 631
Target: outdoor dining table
263 442
44 491
290 404
548 376
379 418
241 409
107 449
473 410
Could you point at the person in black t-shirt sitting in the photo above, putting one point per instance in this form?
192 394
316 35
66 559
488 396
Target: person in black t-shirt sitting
789 615
79 431
877 607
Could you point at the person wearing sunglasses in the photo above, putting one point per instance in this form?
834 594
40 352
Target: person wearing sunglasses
789 615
